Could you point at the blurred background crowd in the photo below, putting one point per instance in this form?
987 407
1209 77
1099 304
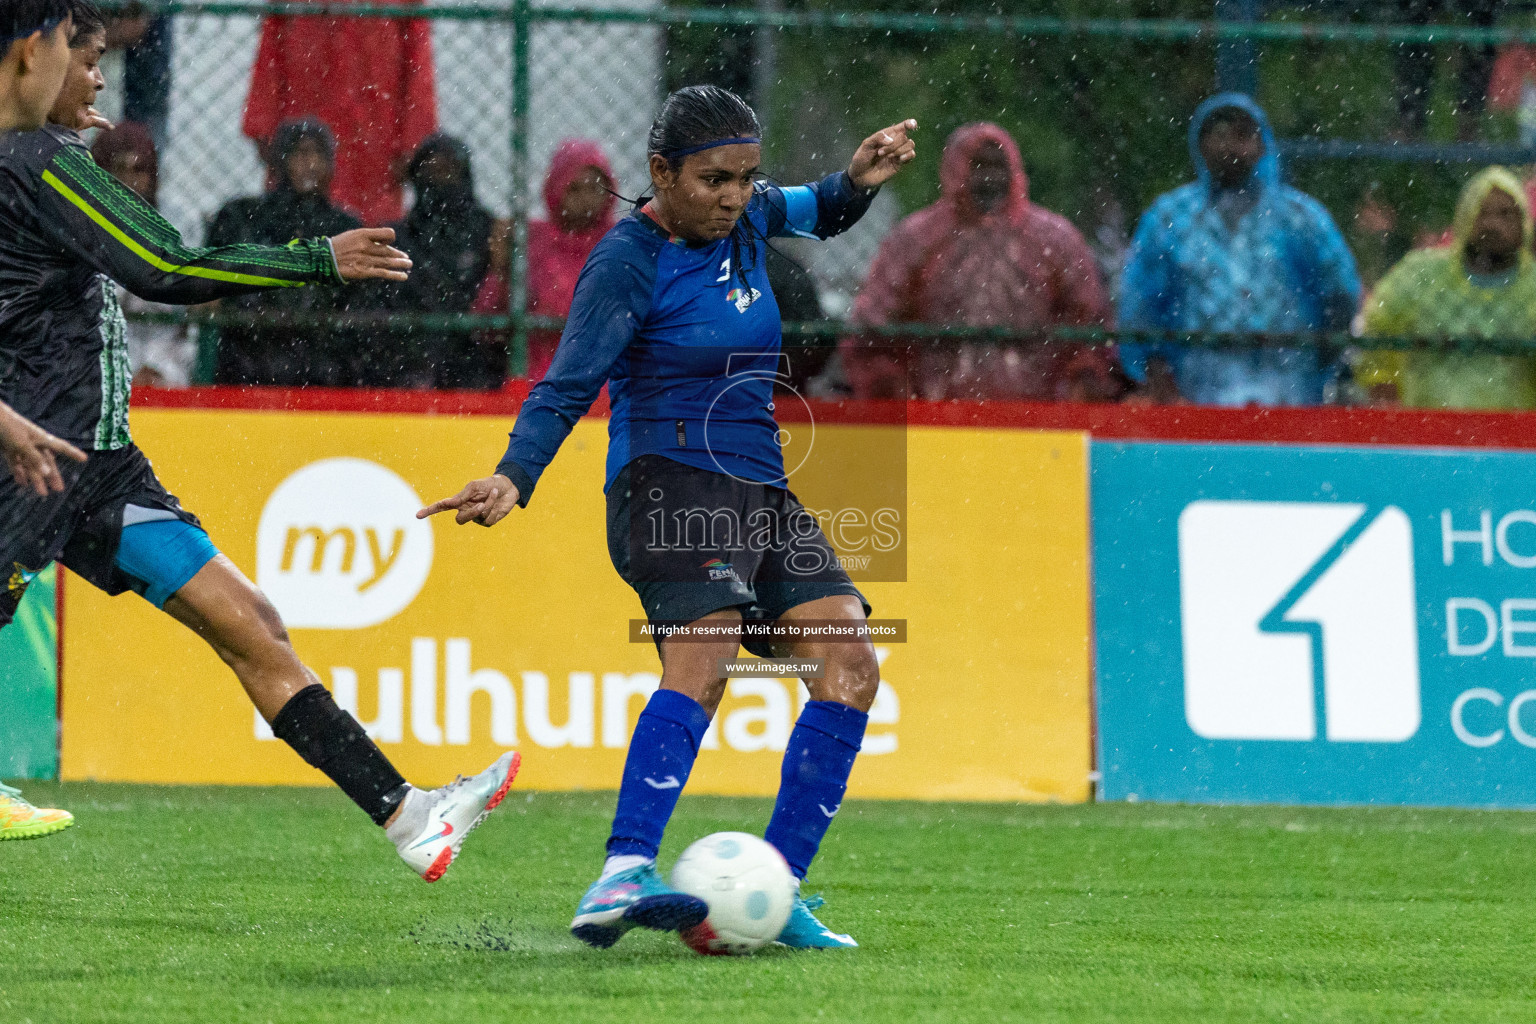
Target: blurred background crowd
1080 228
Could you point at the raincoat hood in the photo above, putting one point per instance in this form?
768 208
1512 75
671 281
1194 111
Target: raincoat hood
555 254
1471 204
287 138
435 200
955 170
570 160
445 144
1266 173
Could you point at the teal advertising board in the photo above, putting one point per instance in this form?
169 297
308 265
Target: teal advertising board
29 682
1315 624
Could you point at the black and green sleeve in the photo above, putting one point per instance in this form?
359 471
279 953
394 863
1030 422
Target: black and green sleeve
121 236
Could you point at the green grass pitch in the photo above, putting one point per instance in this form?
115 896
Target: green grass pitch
171 904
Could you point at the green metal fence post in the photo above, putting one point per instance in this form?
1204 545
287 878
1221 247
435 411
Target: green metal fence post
522 23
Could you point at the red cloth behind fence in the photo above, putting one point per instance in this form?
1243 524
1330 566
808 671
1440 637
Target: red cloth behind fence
369 79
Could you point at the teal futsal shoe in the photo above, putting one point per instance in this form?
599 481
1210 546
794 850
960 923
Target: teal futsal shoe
803 931
636 897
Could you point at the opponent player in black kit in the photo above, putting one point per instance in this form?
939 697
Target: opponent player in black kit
67 230
34 54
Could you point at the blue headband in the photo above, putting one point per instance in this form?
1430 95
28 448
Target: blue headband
739 140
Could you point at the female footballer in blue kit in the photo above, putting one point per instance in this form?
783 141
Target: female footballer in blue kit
674 312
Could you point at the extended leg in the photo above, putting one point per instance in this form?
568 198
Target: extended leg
820 754
240 624
19 819
660 759
666 741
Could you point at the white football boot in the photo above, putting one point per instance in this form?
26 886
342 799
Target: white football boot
432 824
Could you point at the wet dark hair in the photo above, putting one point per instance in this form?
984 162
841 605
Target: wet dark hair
20 18
87 21
1235 116
697 115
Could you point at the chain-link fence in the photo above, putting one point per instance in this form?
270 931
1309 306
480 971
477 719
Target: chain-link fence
1370 101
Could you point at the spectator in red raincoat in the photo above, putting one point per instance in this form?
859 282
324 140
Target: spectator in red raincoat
580 210
982 256
370 79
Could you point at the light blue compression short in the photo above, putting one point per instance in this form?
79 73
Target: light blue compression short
159 557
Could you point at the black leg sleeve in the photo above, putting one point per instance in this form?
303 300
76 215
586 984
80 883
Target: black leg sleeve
332 740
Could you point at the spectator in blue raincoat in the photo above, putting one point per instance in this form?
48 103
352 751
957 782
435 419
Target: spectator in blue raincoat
1235 250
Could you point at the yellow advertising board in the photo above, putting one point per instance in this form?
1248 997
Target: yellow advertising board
454 643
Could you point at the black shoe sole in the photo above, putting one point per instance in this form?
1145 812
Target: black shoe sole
598 936
669 913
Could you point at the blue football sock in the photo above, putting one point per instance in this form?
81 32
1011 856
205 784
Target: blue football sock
661 754
816 766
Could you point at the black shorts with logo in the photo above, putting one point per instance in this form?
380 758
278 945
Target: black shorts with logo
80 526
691 541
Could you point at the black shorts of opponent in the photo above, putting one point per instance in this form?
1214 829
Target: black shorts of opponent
691 541
79 526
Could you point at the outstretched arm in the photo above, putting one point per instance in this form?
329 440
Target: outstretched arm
835 203
114 231
880 156
613 296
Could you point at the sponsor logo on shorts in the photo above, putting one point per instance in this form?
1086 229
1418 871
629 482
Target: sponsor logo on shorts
719 570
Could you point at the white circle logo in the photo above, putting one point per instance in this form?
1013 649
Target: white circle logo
339 545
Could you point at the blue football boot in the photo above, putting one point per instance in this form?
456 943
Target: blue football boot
803 931
638 896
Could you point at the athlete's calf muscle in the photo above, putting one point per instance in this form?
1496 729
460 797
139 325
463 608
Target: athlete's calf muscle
227 610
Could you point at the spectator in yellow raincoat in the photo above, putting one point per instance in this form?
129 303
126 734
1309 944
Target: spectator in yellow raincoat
1481 286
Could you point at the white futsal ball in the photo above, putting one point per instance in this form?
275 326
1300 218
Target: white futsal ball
748 886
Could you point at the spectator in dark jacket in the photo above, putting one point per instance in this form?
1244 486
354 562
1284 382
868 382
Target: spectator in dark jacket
298 206
1415 63
447 234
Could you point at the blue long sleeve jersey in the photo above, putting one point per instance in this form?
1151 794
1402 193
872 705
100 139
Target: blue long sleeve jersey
687 337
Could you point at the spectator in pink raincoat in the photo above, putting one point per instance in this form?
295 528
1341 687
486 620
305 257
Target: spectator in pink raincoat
580 211
982 256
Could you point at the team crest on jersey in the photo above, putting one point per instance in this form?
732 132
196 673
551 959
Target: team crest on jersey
743 298
21 577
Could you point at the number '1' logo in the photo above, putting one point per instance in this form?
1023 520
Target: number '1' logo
1297 614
